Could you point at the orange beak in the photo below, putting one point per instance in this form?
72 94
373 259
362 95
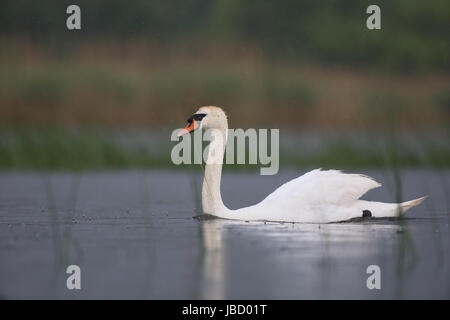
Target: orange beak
189 128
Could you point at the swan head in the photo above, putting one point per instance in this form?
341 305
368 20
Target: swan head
207 118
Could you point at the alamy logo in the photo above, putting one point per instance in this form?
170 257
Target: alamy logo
74 20
74 280
190 149
374 280
374 20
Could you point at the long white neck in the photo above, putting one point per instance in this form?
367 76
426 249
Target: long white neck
211 197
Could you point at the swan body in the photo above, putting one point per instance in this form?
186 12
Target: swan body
318 196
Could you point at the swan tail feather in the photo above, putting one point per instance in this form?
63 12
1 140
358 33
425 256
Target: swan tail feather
412 203
388 210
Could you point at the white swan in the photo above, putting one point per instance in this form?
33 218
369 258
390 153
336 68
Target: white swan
315 197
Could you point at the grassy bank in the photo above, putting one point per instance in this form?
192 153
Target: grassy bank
94 149
64 109
135 84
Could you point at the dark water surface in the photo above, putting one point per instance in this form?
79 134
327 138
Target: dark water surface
133 235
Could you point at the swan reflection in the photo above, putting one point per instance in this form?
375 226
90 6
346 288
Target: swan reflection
320 248
213 264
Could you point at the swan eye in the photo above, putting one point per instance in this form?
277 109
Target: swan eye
366 214
196 117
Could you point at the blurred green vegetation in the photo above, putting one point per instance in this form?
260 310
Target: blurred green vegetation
58 149
83 94
79 93
273 64
442 100
92 149
414 34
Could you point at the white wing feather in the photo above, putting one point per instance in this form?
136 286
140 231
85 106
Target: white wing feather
319 197
330 187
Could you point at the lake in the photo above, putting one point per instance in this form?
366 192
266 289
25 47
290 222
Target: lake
134 235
